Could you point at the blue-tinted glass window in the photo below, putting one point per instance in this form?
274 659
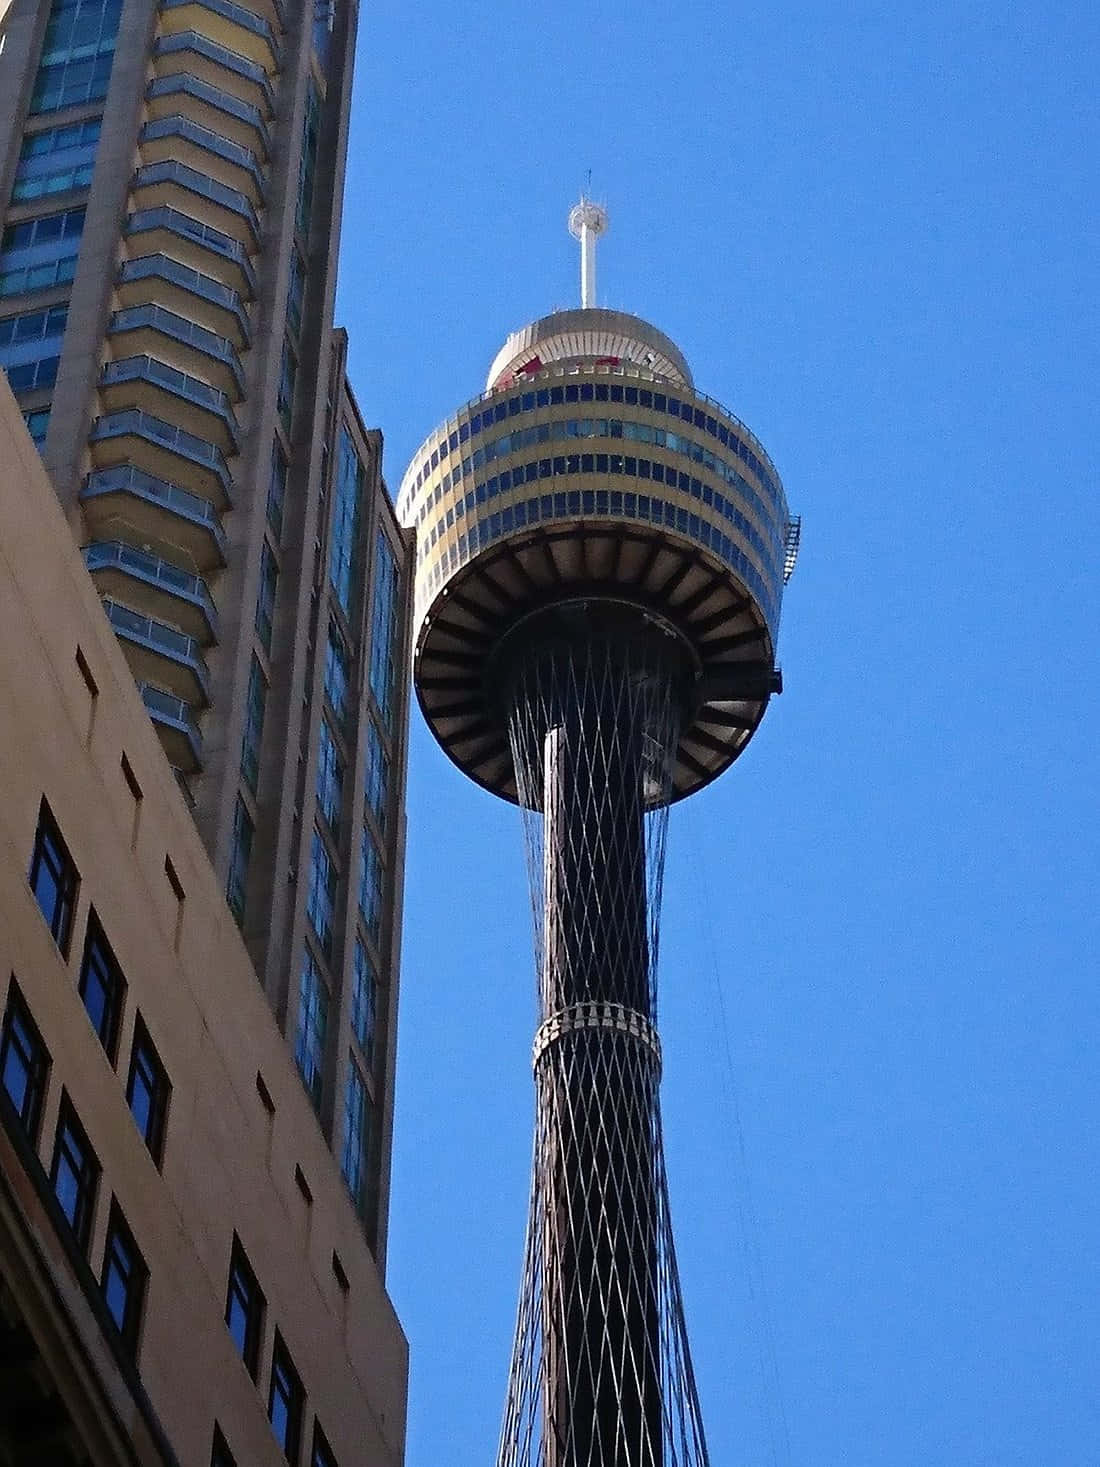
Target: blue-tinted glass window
364 1001
353 1160
255 706
41 241
56 160
330 777
148 1091
288 378
296 290
75 61
321 900
377 774
53 878
38 422
383 630
370 886
322 1454
309 1044
102 987
124 1279
31 328
337 673
286 1403
344 531
244 1308
311 132
74 1173
24 1062
276 491
265 600
239 856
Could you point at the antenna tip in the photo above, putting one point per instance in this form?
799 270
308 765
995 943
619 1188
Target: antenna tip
587 215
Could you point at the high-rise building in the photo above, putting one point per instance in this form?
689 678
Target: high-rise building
184 1274
171 176
602 551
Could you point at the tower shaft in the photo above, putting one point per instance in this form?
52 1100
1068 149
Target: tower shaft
594 710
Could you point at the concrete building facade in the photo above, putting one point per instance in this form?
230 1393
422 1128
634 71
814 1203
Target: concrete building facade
184 1275
171 176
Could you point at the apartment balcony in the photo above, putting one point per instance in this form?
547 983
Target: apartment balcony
163 450
153 331
155 387
214 156
208 199
124 501
175 723
160 654
161 280
210 107
190 242
152 585
226 24
218 65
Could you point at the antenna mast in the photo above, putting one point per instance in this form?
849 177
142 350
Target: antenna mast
587 221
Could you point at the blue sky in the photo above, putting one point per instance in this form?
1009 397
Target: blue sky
872 231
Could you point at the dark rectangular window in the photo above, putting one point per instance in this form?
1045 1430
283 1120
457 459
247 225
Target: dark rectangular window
255 707
265 599
53 878
353 1162
220 1455
24 1062
102 987
239 857
276 491
344 528
124 1278
322 1455
337 674
309 1043
244 1308
384 614
364 1001
330 777
74 1173
286 1401
147 1091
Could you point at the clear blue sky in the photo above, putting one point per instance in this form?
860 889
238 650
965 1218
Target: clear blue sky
872 231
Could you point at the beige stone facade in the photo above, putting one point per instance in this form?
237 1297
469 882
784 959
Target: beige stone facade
243 1156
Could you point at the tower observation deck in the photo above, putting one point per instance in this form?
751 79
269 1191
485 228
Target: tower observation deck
601 558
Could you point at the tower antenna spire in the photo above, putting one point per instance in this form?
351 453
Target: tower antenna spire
587 221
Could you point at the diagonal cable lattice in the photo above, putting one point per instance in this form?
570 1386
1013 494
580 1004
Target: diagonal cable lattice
601 1374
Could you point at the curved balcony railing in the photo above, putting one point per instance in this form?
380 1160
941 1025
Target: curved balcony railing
237 15
154 570
230 199
188 389
232 61
163 216
129 479
213 142
147 267
165 708
179 328
134 422
146 631
183 83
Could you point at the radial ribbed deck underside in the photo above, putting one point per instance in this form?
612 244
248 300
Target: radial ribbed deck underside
652 568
